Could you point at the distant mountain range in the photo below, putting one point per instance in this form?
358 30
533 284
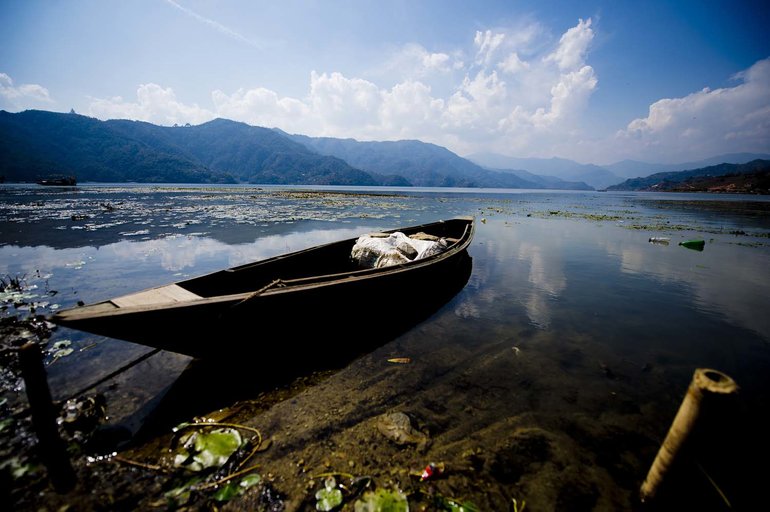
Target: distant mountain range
424 165
35 144
600 177
751 177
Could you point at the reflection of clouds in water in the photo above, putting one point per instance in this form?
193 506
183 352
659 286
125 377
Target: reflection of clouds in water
724 278
497 277
546 273
546 270
173 253
93 273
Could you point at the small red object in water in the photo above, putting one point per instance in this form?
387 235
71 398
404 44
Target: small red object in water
432 470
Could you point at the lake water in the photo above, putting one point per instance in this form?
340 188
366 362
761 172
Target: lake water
574 331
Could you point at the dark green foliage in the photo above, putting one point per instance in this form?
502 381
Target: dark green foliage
706 177
423 164
37 143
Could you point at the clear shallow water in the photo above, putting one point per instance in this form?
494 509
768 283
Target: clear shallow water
570 314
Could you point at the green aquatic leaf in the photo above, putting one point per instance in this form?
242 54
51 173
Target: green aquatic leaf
455 506
215 447
227 492
330 497
250 480
208 449
231 489
4 424
382 500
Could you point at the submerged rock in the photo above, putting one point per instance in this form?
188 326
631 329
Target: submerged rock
397 427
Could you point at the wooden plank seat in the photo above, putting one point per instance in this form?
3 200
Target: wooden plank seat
163 295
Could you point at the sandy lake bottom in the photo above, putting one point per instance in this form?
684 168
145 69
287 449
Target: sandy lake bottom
551 378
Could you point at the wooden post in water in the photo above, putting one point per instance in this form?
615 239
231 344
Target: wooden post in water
705 383
52 449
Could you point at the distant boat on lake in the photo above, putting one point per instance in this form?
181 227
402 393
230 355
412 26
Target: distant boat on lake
59 181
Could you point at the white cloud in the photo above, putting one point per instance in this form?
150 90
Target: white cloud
409 111
155 104
706 122
24 96
513 64
262 107
497 102
573 46
341 103
487 44
568 97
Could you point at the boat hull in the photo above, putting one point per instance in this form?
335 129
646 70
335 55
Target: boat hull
305 317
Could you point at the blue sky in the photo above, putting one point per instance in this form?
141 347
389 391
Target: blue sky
594 81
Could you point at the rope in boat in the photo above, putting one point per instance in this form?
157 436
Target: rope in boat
277 282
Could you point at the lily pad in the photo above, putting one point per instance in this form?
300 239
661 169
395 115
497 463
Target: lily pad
227 492
250 480
209 449
330 497
382 500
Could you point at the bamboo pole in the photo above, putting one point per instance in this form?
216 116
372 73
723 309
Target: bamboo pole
705 383
52 449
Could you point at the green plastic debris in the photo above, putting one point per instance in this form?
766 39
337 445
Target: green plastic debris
382 500
695 245
330 497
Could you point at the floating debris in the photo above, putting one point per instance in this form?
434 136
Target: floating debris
659 240
695 245
432 470
400 360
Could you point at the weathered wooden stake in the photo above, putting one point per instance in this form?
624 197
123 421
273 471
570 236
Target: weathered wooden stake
52 449
705 383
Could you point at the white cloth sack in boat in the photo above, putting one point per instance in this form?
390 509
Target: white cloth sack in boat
382 251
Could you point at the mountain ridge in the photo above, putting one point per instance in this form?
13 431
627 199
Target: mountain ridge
36 143
704 179
422 163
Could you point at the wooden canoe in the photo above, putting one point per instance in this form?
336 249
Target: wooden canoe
294 304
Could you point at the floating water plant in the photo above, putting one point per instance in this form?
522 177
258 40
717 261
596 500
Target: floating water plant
231 489
382 500
208 449
330 497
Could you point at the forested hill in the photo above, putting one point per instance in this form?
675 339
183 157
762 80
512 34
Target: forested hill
37 143
751 177
423 164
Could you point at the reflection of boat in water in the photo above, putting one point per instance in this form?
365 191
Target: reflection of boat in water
58 181
299 304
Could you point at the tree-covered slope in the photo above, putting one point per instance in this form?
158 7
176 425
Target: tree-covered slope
37 143
669 181
423 164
